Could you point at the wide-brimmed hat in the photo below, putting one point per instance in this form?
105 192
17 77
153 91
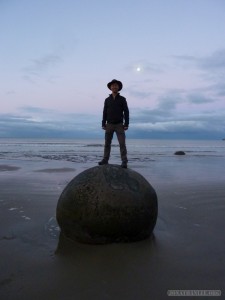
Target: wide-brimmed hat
115 81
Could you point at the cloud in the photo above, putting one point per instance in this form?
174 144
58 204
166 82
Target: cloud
137 93
213 65
199 99
172 126
169 101
164 121
160 121
214 62
10 92
34 109
39 67
39 122
173 99
212 127
218 89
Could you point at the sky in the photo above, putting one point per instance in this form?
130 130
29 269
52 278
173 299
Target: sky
56 58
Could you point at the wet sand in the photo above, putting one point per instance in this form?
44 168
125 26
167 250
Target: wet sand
186 251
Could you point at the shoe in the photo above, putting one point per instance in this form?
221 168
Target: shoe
124 164
103 162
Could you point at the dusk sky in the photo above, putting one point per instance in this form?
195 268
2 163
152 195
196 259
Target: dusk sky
56 58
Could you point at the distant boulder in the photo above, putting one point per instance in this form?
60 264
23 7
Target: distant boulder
107 204
179 153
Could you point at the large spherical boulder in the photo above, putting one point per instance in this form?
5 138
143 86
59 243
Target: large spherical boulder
107 204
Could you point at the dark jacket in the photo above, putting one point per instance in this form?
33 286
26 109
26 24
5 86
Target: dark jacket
115 111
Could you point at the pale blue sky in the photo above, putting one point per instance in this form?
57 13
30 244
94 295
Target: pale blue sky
56 58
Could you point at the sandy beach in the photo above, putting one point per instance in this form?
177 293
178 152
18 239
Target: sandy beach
186 251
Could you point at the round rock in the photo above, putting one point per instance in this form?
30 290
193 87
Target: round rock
179 153
107 204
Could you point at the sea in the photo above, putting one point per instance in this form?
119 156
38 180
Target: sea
155 159
88 150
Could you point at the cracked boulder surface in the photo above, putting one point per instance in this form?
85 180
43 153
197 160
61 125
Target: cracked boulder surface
106 204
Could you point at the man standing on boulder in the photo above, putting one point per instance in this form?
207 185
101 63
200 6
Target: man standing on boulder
115 119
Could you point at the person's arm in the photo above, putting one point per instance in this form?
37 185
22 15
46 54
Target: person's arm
126 115
104 116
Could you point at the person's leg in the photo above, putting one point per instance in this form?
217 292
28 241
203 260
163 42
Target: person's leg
108 140
122 142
